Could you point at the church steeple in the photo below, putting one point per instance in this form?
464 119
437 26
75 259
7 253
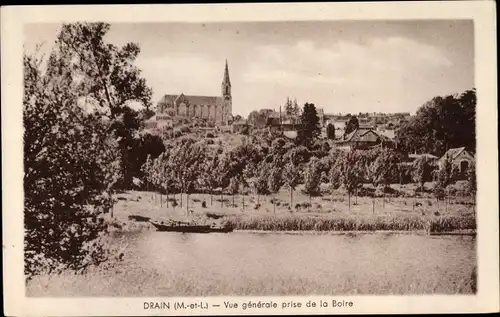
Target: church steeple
226 83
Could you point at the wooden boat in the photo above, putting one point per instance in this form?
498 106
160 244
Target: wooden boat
223 229
181 227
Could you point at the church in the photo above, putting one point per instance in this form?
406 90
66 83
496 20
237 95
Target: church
216 109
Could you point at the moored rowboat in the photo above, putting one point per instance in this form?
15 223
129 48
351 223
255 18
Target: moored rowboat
181 227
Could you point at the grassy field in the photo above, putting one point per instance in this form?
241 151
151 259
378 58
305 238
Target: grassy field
328 212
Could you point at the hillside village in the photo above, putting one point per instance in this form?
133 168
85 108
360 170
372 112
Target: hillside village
212 117
95 166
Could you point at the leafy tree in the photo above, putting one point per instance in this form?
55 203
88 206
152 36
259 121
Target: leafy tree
233 187
310 128
445 173
440 124
70 171
208 176
291 176
288 107
421 171
472 180
259 182
146 170
351 125
384 169
312 177
330 131
351 171
297 155
109 81
274 181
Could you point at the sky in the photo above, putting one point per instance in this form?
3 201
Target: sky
340 66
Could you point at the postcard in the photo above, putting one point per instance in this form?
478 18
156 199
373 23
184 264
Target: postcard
242 159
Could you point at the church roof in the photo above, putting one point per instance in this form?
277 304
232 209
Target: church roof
226 75
193 100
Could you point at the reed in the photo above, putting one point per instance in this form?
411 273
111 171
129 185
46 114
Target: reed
402 222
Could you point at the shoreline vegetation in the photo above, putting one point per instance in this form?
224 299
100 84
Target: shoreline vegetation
135 209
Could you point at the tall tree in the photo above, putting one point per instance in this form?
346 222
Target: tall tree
109 81
310 128
274 182
440 124
351 171
312 177
70 170
384 169
208 177
233 187
291 176
351 125
330 131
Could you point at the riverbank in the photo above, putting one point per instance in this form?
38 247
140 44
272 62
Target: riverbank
330 213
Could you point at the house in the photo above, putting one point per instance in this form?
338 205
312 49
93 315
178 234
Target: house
240 126
432 159
160 121
363 139
460 157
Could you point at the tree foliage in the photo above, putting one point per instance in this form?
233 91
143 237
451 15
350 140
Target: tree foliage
109 81
422 171
441 124
330 131
312 177
351 125
71 168
310 128
384 168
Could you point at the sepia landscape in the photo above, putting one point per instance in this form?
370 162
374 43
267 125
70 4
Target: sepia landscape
345 164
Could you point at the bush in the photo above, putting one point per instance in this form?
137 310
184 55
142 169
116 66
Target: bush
210 135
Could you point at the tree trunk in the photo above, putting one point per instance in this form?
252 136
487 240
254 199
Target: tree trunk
175 201
167 199
414 200
291 197
349 199
383 199
373 205
187 204
445 202
243 201
181 201
356 196
161 201
274 206
233 200
211 198
221 199
258 200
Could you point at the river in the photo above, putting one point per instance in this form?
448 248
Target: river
176 264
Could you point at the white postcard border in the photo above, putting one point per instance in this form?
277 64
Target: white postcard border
483 14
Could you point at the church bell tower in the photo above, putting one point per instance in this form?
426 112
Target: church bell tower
226 96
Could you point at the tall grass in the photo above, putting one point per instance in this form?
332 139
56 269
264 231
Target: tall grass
354 223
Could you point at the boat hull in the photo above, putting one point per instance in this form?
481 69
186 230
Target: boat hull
181 228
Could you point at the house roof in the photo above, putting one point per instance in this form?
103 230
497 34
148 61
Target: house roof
193 100
240 122
357 134
427 155
453 153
